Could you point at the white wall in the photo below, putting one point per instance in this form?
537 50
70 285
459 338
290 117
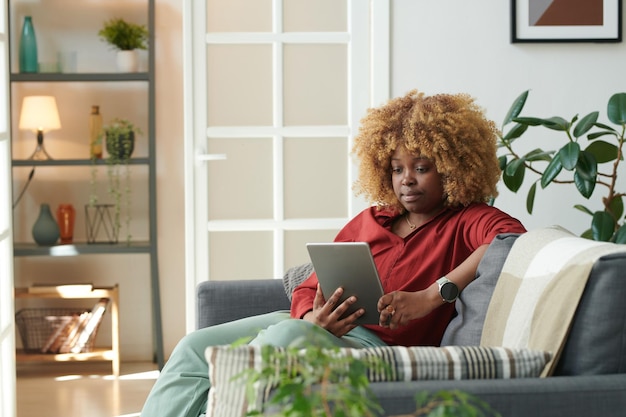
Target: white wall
438 46
463 46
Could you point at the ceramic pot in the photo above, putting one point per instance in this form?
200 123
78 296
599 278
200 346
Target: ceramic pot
121 146
127 61
45 229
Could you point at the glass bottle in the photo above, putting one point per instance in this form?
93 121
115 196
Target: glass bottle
28 47
95 133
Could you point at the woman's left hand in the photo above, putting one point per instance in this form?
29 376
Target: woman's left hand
397 308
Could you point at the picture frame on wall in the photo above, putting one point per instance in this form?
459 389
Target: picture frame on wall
566 21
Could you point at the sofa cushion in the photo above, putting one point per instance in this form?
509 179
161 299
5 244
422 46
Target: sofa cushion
226 363
596 343
295 276
466 327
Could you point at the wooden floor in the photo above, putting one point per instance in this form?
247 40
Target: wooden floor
83 390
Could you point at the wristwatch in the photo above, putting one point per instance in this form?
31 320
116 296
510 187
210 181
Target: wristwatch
448 290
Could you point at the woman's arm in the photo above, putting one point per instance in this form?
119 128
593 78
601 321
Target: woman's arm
397 308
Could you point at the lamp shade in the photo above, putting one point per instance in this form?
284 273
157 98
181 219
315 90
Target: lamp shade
39 113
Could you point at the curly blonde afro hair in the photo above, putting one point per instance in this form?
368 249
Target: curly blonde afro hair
450 130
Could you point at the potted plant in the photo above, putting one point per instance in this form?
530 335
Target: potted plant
324 384
119 136
126 38
590 156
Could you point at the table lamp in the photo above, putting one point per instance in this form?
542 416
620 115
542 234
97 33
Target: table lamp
39 113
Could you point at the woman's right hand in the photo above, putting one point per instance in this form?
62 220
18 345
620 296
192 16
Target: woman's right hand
325 315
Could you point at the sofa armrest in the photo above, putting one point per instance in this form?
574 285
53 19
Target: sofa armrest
222 301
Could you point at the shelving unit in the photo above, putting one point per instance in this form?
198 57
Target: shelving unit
99 354
149 247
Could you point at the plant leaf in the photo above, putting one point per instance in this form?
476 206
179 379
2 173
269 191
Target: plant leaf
568 155
617 207
616 109
602 151
515 132
556 123
583 209
513 175
602 226
585 124
620 235
552 170
502 162
587 167
530 198
516 108
538 155
584 186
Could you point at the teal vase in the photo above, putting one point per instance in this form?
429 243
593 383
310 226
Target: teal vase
46 230
28 47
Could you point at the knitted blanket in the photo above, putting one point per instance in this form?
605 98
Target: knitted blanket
538 290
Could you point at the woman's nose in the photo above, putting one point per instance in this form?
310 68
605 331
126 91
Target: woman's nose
408 179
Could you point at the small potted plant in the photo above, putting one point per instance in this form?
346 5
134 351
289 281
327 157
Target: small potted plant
126 38
119 136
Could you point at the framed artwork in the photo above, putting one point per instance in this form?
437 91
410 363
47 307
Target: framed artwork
566 21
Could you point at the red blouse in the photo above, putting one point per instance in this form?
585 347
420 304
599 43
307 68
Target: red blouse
416 261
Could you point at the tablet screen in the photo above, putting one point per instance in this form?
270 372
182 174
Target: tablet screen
348 265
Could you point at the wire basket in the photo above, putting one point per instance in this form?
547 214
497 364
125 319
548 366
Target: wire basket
55 330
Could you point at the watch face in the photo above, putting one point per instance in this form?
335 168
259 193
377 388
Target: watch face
449 291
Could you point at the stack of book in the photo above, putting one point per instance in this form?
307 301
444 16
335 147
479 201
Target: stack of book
75 333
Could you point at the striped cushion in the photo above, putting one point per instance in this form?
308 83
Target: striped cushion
227 396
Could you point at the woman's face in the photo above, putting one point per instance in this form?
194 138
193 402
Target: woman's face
416 183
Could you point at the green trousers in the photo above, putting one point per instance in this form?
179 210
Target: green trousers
183 385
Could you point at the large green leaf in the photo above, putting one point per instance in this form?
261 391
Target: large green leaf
596 135
513 175
530 198
516 108
584 186
585 124
555 123
620 235
502 162
551 172
602 226
602 151
538 155
587 167
515 132
569 155
530 121
616 109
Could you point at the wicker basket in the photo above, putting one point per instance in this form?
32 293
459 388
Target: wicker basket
44 330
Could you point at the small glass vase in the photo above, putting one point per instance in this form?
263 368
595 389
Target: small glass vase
66 216
45 230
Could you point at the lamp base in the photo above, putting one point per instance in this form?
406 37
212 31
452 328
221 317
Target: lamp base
40 153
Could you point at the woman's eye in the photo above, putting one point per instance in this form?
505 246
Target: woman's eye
396 170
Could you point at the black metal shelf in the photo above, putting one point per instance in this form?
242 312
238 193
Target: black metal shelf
72 162
74 77
80 248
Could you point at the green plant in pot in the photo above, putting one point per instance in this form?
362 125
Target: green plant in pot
589 156
126 38
119 136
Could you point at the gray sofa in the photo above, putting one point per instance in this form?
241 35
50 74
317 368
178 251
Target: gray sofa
590 379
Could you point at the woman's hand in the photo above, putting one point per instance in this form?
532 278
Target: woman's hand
325 315
399 307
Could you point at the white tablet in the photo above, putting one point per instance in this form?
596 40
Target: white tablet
348 265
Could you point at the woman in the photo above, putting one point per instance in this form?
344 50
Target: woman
429 165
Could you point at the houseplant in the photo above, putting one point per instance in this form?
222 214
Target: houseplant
126 38
324 384
590 156
119 136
